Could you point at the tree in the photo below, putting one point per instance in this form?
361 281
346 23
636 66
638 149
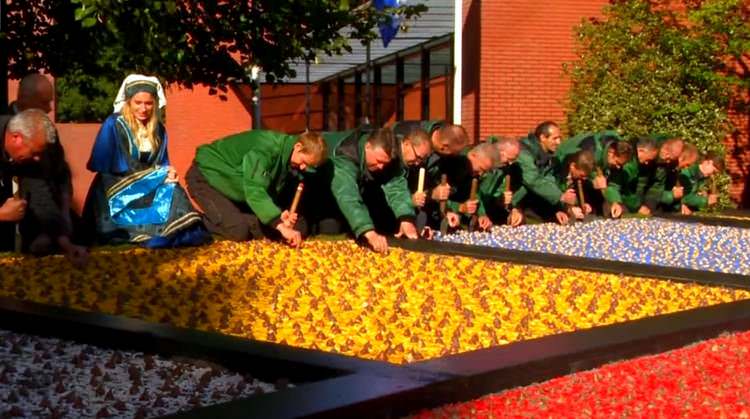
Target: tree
660 67
189 42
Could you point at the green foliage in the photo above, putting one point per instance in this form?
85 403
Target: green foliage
214 43
93 43
84 98
649 67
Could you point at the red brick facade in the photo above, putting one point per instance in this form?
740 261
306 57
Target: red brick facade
522 46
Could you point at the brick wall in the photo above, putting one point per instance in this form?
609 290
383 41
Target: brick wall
523 46
737 142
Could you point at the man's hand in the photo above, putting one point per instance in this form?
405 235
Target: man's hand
289 219
291 236
677 192
644 210
616 210
377 242
685 210
418 199
408 229
712 199
484 222
600 182
13 209
453 219
568 197
562 217
77 255
515 218
427 233
577 213
469 207
441 192
587 209
171 175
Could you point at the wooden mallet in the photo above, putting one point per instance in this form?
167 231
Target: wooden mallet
473 197
297 196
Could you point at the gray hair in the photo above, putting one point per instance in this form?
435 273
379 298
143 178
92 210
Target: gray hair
488 150
30 122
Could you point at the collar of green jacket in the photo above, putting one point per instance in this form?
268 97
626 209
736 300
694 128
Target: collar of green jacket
533 146
349 145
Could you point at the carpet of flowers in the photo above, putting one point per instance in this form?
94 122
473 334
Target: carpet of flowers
649 241
710 379
338 297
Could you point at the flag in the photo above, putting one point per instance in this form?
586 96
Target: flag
389 29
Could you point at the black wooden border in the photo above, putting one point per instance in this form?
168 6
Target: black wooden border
728 280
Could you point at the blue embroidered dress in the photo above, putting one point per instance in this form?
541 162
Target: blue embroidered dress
129 199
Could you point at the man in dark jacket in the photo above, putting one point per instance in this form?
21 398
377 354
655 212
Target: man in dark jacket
46 184
449 143
26 139
245 182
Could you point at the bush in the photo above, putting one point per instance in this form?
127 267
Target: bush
657 67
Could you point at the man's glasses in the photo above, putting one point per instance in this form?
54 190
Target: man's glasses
417 158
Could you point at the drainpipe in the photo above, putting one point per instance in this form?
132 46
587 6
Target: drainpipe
458 39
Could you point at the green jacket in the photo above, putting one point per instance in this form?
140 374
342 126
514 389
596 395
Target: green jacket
537 172
693 181
492 187
622 185
251 167
347 161
435 165
597 142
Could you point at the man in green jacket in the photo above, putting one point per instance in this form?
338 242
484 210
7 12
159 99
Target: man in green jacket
674 191
693 180
357 159
245 182
495 194
539 194
574 168
449 144
610 154
415 148
479 161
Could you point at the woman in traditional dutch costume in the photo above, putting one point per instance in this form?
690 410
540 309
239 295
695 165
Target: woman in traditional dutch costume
135 196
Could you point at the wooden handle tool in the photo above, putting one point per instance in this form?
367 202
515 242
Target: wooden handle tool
297 196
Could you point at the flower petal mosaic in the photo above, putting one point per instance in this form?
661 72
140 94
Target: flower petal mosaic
336 296
649 241
710 379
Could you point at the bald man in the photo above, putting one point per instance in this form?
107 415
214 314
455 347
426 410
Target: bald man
46 182
34 92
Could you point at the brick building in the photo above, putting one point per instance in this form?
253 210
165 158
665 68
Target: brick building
511 78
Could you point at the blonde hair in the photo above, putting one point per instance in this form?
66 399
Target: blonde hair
313 145
136 126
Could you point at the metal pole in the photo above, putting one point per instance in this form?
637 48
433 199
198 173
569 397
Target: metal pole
307 94
257 123
458 40
368 90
